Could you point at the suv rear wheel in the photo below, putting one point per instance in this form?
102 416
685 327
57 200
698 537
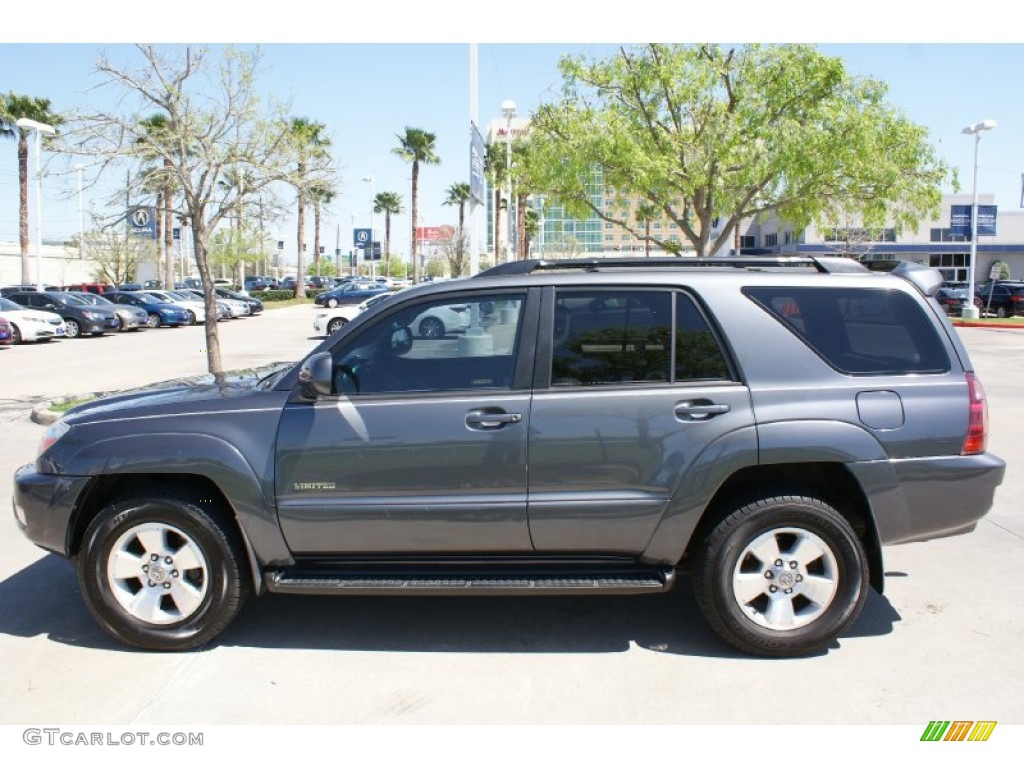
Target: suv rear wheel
161 573
783 576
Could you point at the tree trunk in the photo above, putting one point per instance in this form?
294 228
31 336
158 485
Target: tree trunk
300 284
26 276
415 191
496 219
158 215
387 243
213 359
168 230
316 237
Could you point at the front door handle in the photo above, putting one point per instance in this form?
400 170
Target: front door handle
699 410
486 418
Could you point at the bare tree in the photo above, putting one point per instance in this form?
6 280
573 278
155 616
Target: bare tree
213 124
116 254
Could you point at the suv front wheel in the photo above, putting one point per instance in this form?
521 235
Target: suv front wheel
161 573
783 576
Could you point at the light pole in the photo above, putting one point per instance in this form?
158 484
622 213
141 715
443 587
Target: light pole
40 129
373 264
970 311
508 110
81 210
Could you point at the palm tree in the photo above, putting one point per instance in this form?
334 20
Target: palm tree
310 143
14 107
645 213
458 194
157 135
321 193
416 146
388 203
495 168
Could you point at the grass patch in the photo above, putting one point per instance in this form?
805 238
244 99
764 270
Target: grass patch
63 406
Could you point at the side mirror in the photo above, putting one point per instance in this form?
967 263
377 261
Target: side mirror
315 375
401 340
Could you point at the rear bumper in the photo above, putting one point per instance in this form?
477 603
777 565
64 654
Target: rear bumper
938 496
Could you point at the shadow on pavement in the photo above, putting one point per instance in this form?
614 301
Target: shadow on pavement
43 599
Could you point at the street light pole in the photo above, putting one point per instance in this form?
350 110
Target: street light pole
373 264
40 129
970 311
508 110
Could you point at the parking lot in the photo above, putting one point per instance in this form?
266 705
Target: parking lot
943 642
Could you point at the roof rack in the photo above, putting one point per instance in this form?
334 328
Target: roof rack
819 264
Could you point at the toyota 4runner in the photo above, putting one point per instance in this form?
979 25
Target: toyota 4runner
596 427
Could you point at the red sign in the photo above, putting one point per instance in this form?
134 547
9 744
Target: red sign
443 234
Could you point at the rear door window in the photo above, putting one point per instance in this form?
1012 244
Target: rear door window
858 331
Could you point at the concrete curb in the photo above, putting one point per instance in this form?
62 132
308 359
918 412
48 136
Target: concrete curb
973 324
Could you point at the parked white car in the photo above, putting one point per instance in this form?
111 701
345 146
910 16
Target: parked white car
434 323
196 309
328 321
32 324
232 307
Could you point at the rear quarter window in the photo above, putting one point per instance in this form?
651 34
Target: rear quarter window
858 331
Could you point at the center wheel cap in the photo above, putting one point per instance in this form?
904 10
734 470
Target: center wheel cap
157 573
786 579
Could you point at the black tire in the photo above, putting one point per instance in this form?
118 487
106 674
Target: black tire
16 337
335 324
191 316
1001 312
431 328
74 329
179 609
734 586
153 321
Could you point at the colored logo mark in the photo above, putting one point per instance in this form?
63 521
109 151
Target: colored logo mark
958 730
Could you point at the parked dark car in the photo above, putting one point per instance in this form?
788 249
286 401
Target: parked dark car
760 428
953 300
1003 298
260 283
158 312
7 290
349 293
129 318
80 317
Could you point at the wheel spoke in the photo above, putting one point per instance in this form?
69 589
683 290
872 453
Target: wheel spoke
806 550
153 539
749 586
146 605
186 597
780 613
125 565
765 548
188 557
818 590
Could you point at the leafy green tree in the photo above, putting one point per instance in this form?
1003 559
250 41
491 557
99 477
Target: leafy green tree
707 131
321 194
390 204
14 107
495 167
416 146
458 194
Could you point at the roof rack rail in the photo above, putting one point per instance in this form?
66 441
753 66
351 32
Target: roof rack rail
821 264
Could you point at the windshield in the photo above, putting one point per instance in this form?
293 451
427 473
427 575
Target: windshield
9 305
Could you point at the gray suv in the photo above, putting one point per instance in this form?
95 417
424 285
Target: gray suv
763 427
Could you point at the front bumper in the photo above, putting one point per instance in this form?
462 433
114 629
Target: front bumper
44 506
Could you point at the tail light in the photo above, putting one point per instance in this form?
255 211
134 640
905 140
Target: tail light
976 438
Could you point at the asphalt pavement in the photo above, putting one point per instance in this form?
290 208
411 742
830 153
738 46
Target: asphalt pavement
945 641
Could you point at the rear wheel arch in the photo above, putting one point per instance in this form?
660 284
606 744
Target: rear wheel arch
832 483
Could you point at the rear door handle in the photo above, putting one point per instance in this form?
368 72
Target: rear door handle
699 410
491 419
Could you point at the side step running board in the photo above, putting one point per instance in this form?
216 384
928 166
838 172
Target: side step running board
320 583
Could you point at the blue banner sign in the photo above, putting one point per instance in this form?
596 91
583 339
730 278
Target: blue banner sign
960 220
477 150
361 238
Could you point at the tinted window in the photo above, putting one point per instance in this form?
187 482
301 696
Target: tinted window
434 346
608 337
859 331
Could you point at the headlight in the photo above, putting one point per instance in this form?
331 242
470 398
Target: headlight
53 433
92 315
167 312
